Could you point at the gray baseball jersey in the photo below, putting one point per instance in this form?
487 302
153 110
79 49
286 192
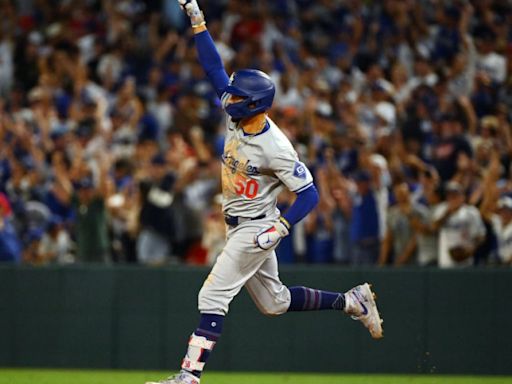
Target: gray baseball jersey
255 168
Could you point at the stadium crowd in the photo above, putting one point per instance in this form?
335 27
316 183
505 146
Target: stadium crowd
111 134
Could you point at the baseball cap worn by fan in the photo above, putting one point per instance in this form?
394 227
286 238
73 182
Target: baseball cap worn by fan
35 234
5 206
85 128
453 187
84 183
490 122
58 132
158 159
505 202
361 176
27 162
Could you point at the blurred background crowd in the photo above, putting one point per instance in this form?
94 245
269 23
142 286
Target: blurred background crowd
111 134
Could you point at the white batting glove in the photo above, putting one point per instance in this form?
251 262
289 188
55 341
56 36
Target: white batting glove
270 237
193 11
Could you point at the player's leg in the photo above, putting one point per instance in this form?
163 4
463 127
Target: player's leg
237 263
267 291
224 282
273 298
358 302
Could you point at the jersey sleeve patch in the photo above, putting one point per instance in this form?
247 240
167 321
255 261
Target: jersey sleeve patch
299 170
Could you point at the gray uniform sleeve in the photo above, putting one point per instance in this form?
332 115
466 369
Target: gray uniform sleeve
292 172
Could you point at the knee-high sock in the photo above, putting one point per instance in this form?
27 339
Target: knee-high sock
308 299
201 343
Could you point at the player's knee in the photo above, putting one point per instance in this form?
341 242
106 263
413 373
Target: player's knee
275 304
275 309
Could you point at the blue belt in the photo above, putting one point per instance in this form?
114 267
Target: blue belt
234 221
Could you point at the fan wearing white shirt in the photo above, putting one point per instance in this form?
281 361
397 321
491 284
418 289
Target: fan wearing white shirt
502 225
460 226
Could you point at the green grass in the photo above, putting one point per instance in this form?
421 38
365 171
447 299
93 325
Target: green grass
33 376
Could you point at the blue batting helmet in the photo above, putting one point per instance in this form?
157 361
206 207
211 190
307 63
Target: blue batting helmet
257 88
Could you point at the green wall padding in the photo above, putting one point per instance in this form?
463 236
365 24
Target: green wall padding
436 321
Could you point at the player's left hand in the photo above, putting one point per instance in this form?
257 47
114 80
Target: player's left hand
270 237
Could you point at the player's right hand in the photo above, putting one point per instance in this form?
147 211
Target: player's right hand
193 11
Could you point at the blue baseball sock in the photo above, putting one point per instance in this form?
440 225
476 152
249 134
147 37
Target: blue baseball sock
202 342
210 326
307 299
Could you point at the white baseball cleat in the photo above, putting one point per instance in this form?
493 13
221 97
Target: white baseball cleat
180 378
360 304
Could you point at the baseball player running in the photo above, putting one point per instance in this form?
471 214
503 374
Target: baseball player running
258 161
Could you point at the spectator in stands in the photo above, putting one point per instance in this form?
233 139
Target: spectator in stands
451 148
399 86
502 225
320 233
55 245
156 221
400 242
31 250
123 207
87 197
365 221
423 222
10 245
214 235
461 228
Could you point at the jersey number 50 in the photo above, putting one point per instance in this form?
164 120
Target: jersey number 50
247 187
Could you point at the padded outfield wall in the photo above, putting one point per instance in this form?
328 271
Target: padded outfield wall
140 318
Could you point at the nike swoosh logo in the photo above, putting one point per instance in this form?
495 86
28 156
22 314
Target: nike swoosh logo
365 310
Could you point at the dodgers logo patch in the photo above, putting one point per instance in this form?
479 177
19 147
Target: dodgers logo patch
299 170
